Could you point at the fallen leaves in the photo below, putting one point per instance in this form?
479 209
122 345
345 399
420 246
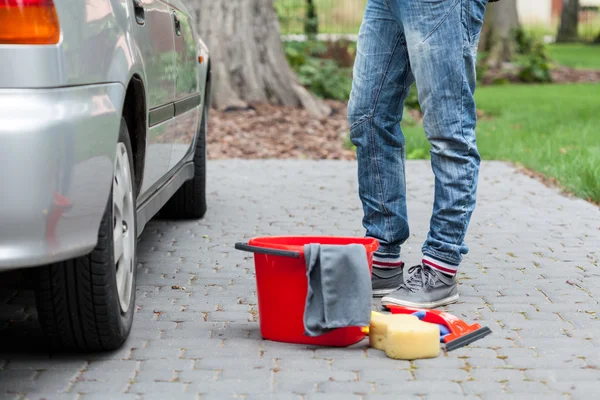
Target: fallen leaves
269 131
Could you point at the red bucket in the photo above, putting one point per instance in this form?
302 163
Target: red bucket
282 287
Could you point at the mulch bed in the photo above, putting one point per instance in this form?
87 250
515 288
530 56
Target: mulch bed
558 75
571 75
267 131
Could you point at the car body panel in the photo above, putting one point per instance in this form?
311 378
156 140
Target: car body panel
61 109
158 152
189 73
54 197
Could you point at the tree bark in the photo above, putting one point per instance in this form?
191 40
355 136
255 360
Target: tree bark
247 58
569 21
497 35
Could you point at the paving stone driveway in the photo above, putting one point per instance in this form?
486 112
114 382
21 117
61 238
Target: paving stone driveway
532 276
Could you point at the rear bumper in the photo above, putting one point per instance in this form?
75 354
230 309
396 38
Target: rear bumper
57 149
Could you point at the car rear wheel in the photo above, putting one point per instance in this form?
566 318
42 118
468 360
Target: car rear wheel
87 303
190 200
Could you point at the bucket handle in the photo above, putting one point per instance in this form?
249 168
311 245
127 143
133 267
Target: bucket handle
264 250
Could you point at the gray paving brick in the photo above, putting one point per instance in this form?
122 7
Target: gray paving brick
172 365
451 397
196 376
49 396
173 388
505 396
578 389
231 386
274 396
514 352
442 374
109 388
384 375
476 387
497 374
259 374
564 375
125 367
337 353
356 364
388 396
522 387
345 387
103 396
474 352
545 362
37 363
440 362
486 362
304 364
161 396
306 381
239 363
24 381
420 387
333 396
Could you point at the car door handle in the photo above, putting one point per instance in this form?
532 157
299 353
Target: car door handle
177 23
140 14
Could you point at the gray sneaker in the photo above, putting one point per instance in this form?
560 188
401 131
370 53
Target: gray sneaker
386 280
424 288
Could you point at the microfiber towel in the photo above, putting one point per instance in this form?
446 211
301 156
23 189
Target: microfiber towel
339 288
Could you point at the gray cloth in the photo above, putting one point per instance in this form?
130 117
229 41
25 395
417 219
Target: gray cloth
339 288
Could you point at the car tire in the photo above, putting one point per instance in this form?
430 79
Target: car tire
87 303
190 200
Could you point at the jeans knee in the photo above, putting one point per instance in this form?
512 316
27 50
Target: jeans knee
358 110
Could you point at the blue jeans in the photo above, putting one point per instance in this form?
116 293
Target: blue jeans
432 42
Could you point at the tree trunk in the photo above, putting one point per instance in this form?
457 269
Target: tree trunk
569 21
247 58
497 39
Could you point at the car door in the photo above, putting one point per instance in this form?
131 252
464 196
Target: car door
154 34
188 87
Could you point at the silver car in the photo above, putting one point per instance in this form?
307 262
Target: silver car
103 113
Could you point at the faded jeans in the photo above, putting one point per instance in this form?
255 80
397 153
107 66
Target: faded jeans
432 42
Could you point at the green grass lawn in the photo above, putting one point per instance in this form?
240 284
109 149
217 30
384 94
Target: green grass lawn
578 55
552 129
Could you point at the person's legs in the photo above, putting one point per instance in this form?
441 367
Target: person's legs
382 78
442 39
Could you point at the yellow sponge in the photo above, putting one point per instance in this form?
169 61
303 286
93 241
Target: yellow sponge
404 337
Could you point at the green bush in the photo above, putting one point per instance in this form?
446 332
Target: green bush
322 76
412 100
326 79
532 58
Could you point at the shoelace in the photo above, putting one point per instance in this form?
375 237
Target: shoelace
421 277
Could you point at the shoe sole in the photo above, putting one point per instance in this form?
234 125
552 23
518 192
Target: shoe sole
395 302
383 292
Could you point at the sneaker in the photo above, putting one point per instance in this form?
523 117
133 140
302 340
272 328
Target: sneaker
424 288
386 280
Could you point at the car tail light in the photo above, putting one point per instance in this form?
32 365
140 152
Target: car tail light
28 22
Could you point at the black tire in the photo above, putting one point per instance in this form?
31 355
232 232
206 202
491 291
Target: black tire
190 200
77 300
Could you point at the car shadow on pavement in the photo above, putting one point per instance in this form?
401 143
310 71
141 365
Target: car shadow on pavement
20 331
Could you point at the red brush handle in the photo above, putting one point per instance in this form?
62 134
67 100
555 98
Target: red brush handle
456 326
